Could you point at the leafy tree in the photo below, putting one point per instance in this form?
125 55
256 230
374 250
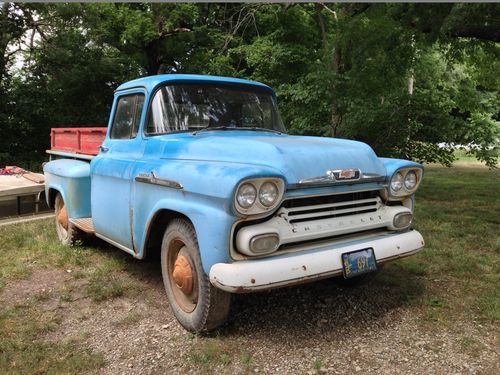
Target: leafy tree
412 80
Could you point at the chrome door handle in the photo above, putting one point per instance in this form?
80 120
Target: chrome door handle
103 149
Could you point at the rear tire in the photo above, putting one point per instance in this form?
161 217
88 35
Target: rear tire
196 303
67 232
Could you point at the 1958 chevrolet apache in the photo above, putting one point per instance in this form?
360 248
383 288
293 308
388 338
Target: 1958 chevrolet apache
200 168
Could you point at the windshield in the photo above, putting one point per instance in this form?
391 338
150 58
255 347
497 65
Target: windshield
194 107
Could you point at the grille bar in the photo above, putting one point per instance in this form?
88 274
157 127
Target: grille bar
302 210
332 205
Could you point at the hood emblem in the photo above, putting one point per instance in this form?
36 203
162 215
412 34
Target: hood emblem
334 175
343 174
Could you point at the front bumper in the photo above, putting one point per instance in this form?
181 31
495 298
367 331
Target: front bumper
293 268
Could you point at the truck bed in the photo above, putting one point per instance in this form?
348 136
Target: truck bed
79 143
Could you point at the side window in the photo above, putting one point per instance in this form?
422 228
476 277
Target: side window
127 116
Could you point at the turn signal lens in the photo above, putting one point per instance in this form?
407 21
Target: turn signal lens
264 243
402 220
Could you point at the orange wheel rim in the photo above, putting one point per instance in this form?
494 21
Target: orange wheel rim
182 276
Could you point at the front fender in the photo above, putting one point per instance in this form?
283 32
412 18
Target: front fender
392 165
205 196
212 226
71 178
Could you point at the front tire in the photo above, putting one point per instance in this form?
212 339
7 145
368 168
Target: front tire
196 303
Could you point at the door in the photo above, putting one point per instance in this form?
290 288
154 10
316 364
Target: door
112 171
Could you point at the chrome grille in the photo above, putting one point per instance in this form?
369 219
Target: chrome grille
300 210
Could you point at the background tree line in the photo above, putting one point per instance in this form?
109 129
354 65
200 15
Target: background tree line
402 77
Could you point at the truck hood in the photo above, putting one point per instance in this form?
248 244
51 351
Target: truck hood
294 157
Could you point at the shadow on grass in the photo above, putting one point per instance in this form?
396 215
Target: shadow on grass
314 309
322 307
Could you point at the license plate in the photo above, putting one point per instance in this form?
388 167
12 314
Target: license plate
358 262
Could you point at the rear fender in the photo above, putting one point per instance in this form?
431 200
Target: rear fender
71 178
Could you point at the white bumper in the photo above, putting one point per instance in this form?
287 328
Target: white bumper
292 268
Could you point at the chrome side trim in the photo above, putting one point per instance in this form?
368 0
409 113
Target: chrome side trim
116 244
154 180
329 179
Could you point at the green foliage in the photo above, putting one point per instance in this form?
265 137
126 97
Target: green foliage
339 70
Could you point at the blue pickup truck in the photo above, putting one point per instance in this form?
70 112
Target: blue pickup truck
201 170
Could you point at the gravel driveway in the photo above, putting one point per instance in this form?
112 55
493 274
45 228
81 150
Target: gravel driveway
314 328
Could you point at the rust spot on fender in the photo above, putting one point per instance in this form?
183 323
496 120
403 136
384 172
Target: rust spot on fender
131 217
252 281
242 289
304 268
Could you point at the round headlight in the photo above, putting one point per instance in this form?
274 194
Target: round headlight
246 195
268 193
410 180
397 182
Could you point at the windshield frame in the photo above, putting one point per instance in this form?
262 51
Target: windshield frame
242 86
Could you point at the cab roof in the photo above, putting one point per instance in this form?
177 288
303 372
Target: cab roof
151 82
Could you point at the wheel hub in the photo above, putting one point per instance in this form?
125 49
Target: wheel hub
62 217
183 274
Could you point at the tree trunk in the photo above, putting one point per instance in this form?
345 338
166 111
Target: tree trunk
336 65
322 27
4 39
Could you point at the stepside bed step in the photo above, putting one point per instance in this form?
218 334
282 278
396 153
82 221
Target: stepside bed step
84 223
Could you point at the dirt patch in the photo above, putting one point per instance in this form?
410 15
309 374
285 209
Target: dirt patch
41 283
315 328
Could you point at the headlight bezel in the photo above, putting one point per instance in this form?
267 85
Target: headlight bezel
404 191
257 207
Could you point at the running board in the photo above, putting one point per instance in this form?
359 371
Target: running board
84 223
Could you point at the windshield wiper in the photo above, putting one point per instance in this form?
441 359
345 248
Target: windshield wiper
212 128
260 129
236 128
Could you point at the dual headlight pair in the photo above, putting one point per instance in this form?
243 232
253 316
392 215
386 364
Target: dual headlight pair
259 195
405 181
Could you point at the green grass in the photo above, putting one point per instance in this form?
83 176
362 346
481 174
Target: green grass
214 354
457 275
32 246
210 354
462 158
26 246
21 350
317 364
